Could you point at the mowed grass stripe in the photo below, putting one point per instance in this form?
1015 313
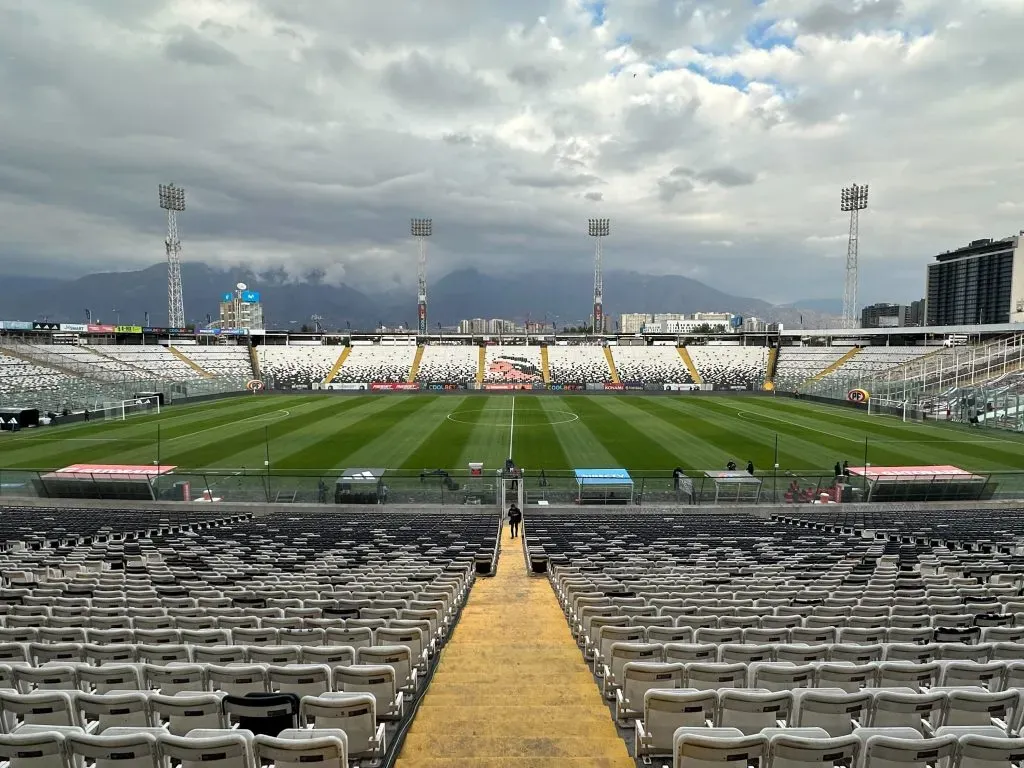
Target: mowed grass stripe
394 434
888 443
215 453
103 442
580 446
535 444
488 439
441 448
629 445
322 445
703 442
944 443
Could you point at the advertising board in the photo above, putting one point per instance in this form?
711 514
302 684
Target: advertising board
388 386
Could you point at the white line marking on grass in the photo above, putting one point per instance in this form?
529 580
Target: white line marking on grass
744 415
567 417
274 416
511 426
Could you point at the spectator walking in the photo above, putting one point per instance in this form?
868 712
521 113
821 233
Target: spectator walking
846 469
750 467
838 470
731 466
515 517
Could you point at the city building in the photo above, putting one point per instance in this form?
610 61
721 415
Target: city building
633 322
477 325
241 308
885 315
981 283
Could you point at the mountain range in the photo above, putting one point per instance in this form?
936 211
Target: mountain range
563 298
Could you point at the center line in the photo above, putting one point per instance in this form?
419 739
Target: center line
511 426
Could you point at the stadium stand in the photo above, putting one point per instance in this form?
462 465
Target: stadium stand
85 356
765 640
153 360
513 364
383 363
798 364
732 366
448 363
296 367
19 377
228 361
271 624
876 359
578 364
651 364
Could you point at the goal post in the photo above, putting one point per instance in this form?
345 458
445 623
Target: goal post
121 410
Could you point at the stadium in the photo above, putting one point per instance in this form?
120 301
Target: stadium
565 518
254 549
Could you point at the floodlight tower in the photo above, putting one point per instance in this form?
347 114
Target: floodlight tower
853 199
599 229
172 200
421 229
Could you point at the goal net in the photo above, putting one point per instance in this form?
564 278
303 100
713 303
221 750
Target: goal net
909 410
121 410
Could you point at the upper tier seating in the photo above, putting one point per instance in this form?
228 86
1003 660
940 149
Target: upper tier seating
448 364
228 361
513 364
797 364
578 364
871 360
153 359
297 366
651 364
703 621
343 615
18 376
383 363
733 366
77 357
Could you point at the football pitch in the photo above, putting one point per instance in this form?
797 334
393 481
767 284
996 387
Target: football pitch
415 432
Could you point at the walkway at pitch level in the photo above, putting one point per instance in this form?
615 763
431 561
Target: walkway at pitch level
512 688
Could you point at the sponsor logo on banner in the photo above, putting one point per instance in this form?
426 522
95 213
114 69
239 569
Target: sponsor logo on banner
857 396
102 328
153 329
226 298
508 387
612 385
347 386
442 387
16 325
254 385
566 387
250 297
128 329
74 327
394 386
45 326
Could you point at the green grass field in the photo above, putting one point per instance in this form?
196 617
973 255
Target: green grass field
423 431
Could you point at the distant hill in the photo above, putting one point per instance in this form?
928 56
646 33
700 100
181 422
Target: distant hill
465 293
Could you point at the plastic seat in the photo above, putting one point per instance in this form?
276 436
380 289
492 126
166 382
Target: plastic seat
637 678
354 713
326 751
300 679
99 711
889 752
792 751
691 750
136 750
45 708
185 712
377 680
666 710
266 713
225 750
836 711
170 679
751 710
33 750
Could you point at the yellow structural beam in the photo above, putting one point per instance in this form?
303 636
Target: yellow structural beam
512 690
545 366
854 351
611 364
415 369
481 366
190 362
688 362
337 364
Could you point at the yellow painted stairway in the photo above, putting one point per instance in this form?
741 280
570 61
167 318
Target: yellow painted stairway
415 369
545 366
337 365
190 362
512 688
688 362
611 364
854 351
769 371
481 366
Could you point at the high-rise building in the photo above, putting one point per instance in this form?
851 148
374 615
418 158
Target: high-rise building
241 308
633 322
981 283
917 312
885 315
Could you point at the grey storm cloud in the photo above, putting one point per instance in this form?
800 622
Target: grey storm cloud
306 135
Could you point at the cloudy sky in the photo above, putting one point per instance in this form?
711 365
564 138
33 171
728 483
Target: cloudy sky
715 134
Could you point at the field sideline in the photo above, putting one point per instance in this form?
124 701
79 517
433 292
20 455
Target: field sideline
424 431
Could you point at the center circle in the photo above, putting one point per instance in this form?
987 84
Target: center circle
567 417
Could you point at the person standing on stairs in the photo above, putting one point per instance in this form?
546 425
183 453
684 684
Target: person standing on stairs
515 517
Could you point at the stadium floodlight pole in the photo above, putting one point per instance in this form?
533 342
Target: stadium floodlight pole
598 229
172 200
421 229
853 199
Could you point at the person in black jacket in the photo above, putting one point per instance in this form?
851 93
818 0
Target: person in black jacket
515 517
